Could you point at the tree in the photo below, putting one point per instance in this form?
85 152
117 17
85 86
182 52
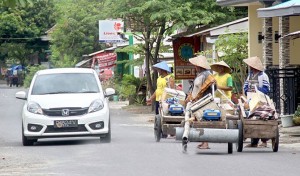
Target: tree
76 30
156 18
235 49
21 29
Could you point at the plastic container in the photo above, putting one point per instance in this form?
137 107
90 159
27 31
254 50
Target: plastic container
115 98
287 120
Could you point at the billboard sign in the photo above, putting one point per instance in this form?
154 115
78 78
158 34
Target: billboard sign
185 48
109 31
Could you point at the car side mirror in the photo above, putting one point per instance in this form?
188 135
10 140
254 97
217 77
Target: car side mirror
109 92
21 95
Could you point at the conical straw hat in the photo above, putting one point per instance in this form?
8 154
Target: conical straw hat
163 66
214 66
254 62
200 61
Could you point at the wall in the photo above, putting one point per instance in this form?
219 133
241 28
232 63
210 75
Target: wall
295 44
255 26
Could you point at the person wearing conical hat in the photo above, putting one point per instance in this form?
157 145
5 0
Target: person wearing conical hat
256 78
164 80
202 73
223 79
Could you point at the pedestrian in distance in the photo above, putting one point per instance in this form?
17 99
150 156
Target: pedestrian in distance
164 80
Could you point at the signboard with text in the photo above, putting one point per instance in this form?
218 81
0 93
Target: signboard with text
185 48
105 60
109 31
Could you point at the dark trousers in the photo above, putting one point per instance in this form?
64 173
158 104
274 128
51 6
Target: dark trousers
156 107
255 141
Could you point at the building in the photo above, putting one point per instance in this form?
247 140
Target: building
274 37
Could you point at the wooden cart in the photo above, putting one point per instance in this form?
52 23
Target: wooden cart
165 125
250 128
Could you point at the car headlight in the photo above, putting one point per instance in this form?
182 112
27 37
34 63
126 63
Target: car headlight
96 106
34 108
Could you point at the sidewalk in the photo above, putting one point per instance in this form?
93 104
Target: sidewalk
289 137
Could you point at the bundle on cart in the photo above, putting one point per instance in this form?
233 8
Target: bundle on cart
172 102
259 106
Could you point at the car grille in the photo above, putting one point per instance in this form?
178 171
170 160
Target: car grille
58 111
51 129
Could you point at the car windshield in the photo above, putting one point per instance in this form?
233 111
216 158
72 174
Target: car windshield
65 83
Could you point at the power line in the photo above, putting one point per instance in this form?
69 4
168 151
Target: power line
19 38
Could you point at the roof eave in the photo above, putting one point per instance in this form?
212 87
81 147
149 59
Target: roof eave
234 2
265 12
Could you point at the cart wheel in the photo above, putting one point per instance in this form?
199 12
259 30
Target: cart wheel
157 128
230 126
239 144
275 141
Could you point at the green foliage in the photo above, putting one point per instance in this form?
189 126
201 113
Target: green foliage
129 87
21 28
296 118
30 73
14 3
64 62
297 112
140 100
234 48
76 30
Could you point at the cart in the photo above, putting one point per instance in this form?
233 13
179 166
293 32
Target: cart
250 128
165 125
223 131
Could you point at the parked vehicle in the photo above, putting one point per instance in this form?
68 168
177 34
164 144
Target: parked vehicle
65 102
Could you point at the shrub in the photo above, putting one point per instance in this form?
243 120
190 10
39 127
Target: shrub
30 73
296 118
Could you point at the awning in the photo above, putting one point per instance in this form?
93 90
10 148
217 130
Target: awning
240 25
293 35
289 8
81 63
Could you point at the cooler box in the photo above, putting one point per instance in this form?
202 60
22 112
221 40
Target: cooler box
212 115
176 109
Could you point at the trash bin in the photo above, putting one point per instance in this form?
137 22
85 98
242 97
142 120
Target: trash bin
115 98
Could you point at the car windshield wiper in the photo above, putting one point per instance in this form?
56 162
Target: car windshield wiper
87 91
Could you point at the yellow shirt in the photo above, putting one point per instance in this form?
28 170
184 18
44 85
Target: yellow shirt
224 81
162 83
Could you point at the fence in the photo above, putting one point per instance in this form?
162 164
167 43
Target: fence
290 77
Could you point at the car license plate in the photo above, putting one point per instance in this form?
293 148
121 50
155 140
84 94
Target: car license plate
65 123
212 113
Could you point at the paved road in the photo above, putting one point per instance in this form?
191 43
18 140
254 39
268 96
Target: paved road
132 152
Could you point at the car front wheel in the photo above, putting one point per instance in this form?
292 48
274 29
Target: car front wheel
107 137
25 140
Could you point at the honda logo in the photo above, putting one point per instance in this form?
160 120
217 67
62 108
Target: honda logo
65 112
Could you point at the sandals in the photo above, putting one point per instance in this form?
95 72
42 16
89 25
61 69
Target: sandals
200 146
261 145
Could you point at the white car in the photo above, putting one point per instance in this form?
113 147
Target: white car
65 102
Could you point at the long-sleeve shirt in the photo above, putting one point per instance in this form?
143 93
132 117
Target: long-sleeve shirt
262 82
